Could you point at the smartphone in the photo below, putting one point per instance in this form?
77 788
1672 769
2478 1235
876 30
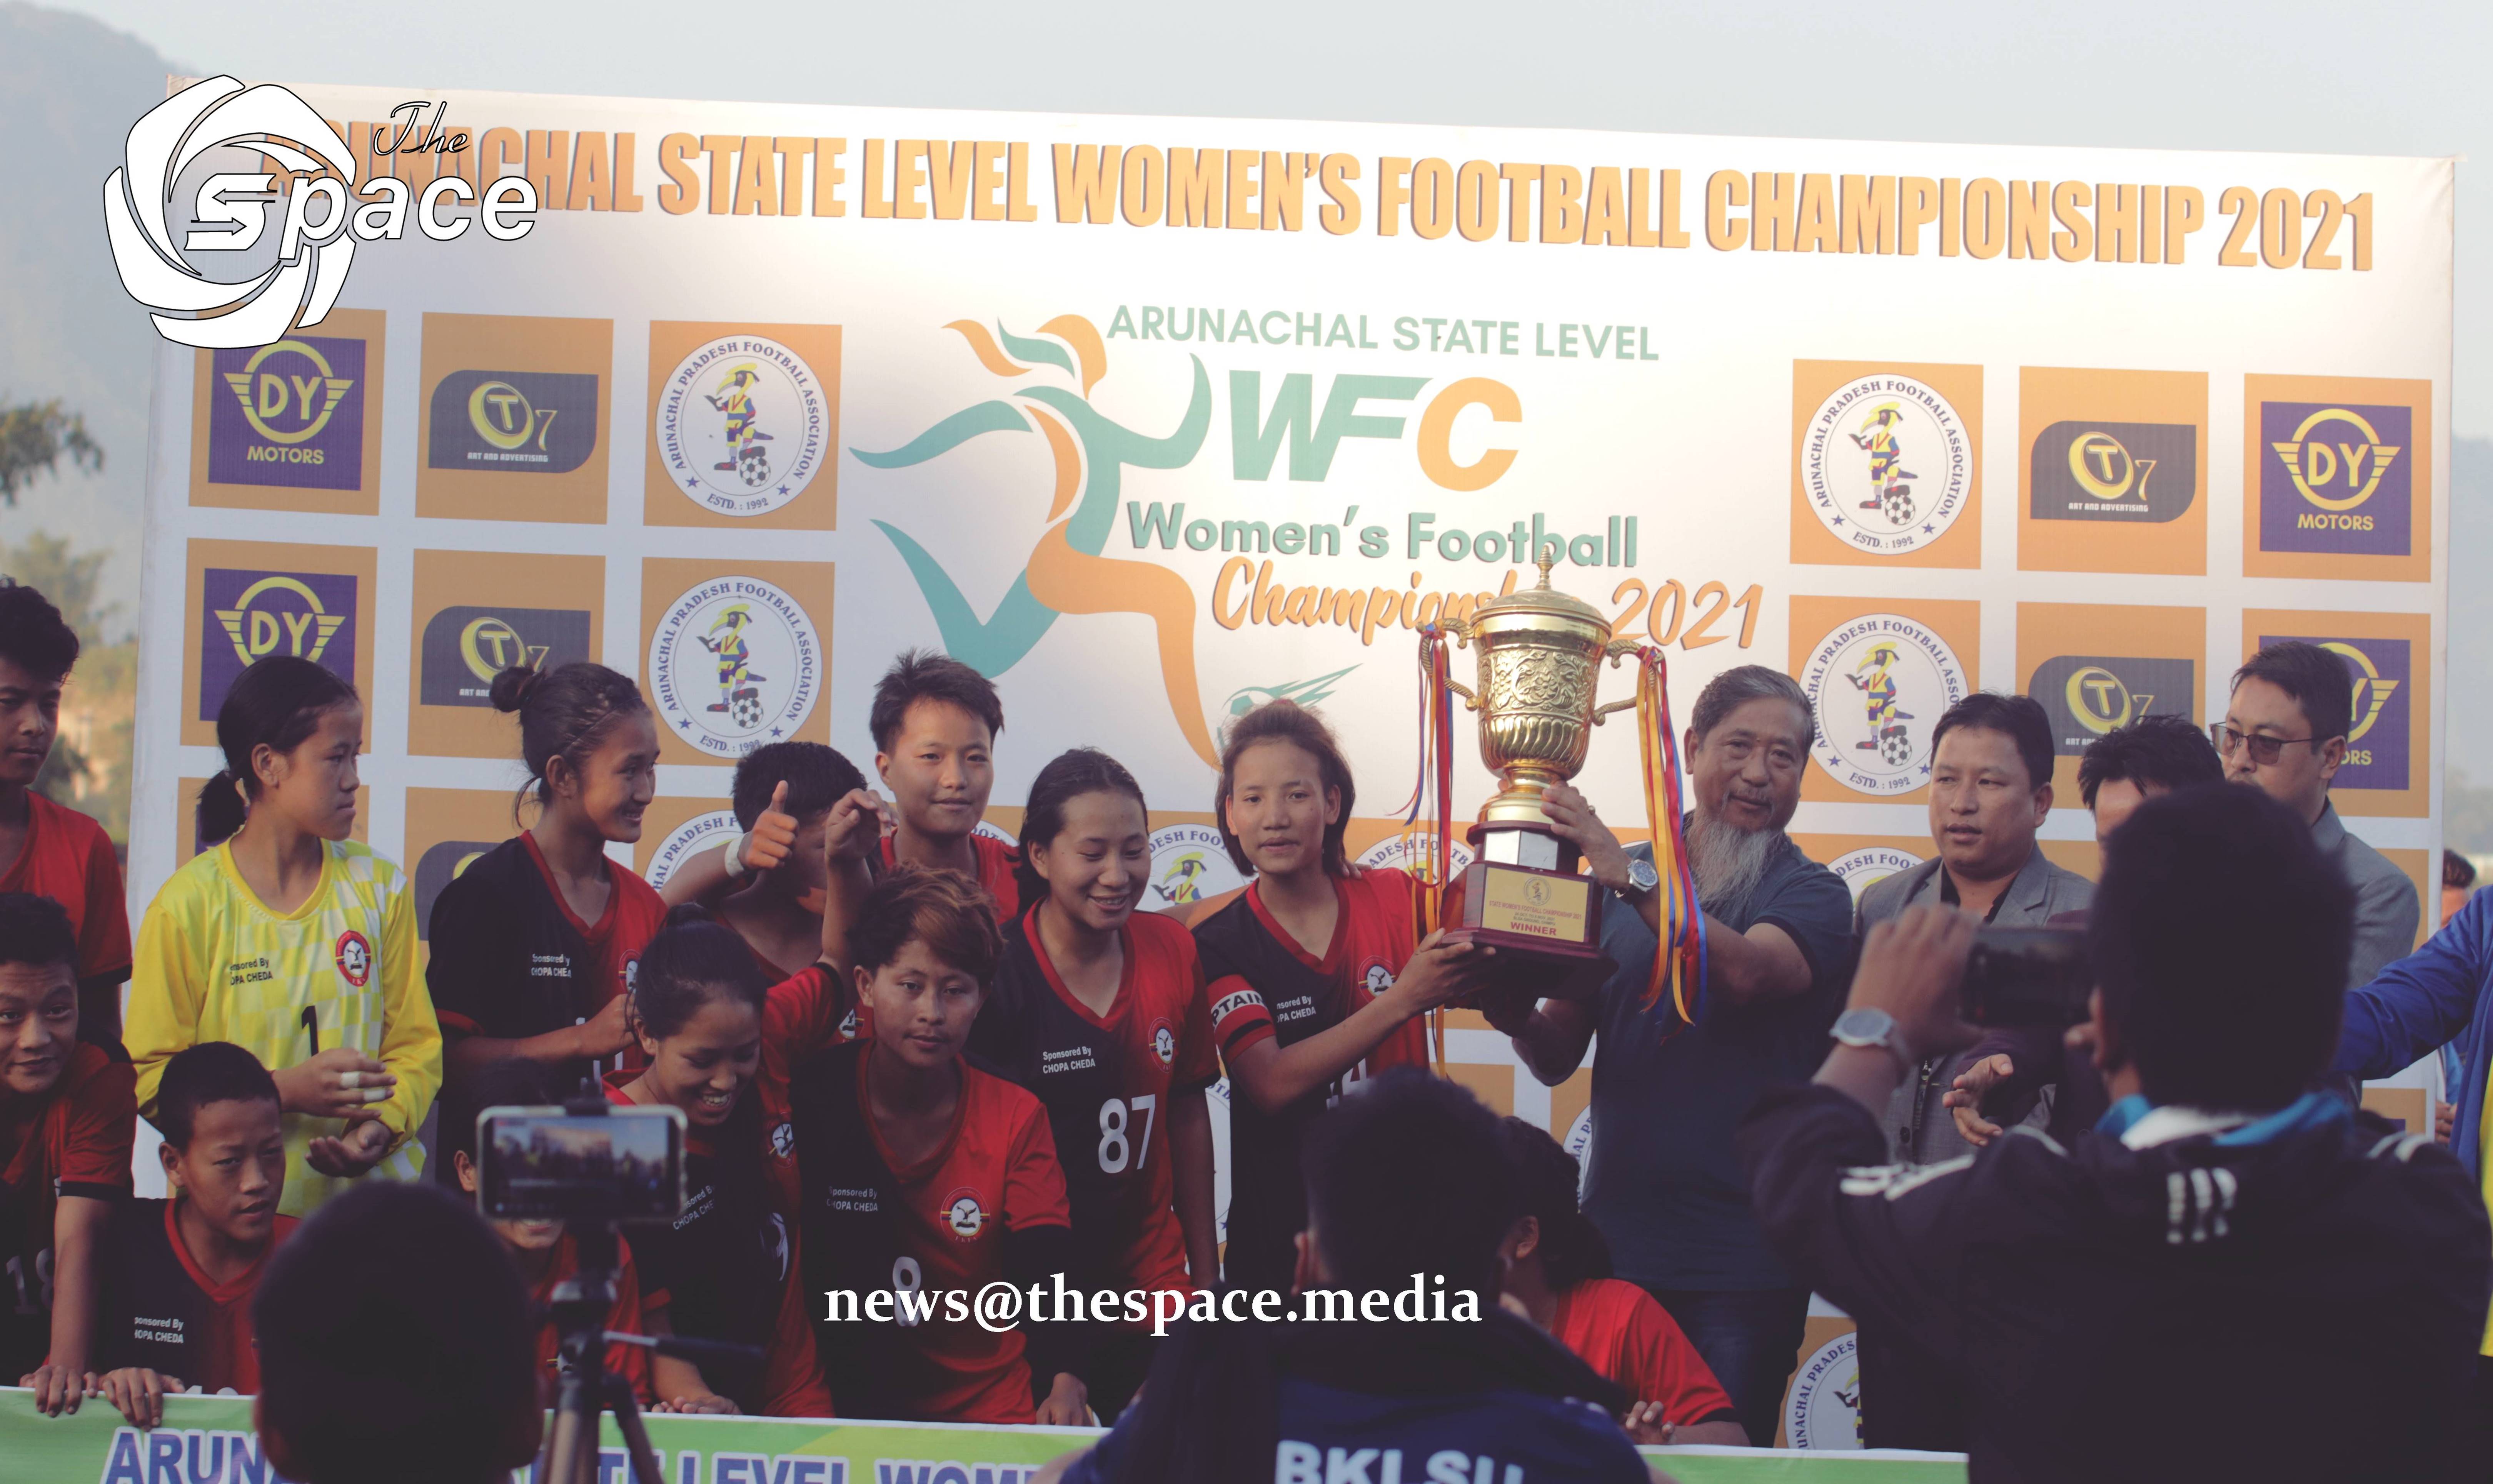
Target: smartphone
541 1162
2027 976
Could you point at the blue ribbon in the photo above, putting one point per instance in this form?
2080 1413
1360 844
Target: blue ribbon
2311 1112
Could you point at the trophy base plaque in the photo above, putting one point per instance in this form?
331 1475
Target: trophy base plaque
1529 911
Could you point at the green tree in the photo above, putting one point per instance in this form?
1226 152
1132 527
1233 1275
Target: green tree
33 437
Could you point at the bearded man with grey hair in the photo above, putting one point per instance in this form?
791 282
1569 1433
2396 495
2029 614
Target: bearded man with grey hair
1663 1183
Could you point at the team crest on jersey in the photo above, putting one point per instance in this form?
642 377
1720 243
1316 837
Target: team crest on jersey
734 664
1163 1043
963 1214
783 1141
848 1030
354 958
1880 684
742 425
1886 464
1376 976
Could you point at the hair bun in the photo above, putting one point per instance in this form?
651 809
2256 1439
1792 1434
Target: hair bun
685 914
513 686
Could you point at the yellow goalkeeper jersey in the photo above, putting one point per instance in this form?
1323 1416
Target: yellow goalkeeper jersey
214 963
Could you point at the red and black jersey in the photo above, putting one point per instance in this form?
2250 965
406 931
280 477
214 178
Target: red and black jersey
995 872
1620 1330
870 1225
630 1361
511 960
74 1140
1107 1082
162 1312
1263 984
69 858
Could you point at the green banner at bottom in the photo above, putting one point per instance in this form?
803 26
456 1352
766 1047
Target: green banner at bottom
208 1440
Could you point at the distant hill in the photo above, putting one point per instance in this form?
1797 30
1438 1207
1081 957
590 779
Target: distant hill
69 87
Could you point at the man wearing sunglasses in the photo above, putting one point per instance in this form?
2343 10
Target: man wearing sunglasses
2284 731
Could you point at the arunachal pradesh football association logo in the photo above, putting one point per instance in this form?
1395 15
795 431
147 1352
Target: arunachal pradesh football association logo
465 647
1411 853
1189 865
1823 1409
437 868
2088 695
2114 471
1880 684
734 664
741 425
288 414
518 422
2336 478
687 840
1865 867
1886 464
250 616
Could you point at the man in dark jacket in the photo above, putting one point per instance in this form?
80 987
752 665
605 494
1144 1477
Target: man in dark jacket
2229 1277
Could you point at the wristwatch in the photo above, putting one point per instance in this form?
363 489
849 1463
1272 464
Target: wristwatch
1865 1027
1642 881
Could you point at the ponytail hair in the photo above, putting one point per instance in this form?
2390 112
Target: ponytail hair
1571 1250
275 704
1067 777
693 960
1287 721
564 713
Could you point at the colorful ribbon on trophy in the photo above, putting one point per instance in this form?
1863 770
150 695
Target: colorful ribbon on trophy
1679 962
1431 803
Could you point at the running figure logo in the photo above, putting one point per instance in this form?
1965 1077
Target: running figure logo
748 460
738 692
1875 679
1891 496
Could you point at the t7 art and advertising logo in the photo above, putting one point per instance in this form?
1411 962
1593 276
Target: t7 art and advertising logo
2088 695
2115 471
291 414
741 425
520 421
2376 743
2336 478
465 647
183 237
1880 684
436 869
1886 464
734 663
250 616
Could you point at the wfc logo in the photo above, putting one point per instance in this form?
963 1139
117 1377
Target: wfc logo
184 231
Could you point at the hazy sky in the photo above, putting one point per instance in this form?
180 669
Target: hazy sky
2283 75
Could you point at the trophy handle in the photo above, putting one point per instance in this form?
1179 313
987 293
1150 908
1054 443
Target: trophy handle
1471 703
1616 650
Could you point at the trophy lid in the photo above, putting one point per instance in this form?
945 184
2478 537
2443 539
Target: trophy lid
1542 600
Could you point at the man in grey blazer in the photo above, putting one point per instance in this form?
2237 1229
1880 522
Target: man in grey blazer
1991 788
2284 731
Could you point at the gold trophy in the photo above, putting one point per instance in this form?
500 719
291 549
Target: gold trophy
1540 653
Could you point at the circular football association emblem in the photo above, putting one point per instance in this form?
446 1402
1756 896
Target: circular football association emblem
686 841
734 664
1879 683
1412 853
963 1214
1860 870
1824 1408
1886 464
1579 1143
1189 865
354 958
743 425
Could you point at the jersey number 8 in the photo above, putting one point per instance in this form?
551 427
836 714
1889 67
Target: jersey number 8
1114 1143
906 1278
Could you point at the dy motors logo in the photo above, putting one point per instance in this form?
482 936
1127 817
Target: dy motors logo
2088 695
183 232
291 414
2377 670
2336 478
250 616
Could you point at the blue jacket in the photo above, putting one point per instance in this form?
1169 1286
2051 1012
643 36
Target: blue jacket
2438 991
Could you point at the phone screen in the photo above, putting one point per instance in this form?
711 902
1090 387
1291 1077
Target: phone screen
625 1165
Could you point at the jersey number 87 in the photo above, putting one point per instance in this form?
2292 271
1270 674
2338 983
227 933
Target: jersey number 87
1114 1124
